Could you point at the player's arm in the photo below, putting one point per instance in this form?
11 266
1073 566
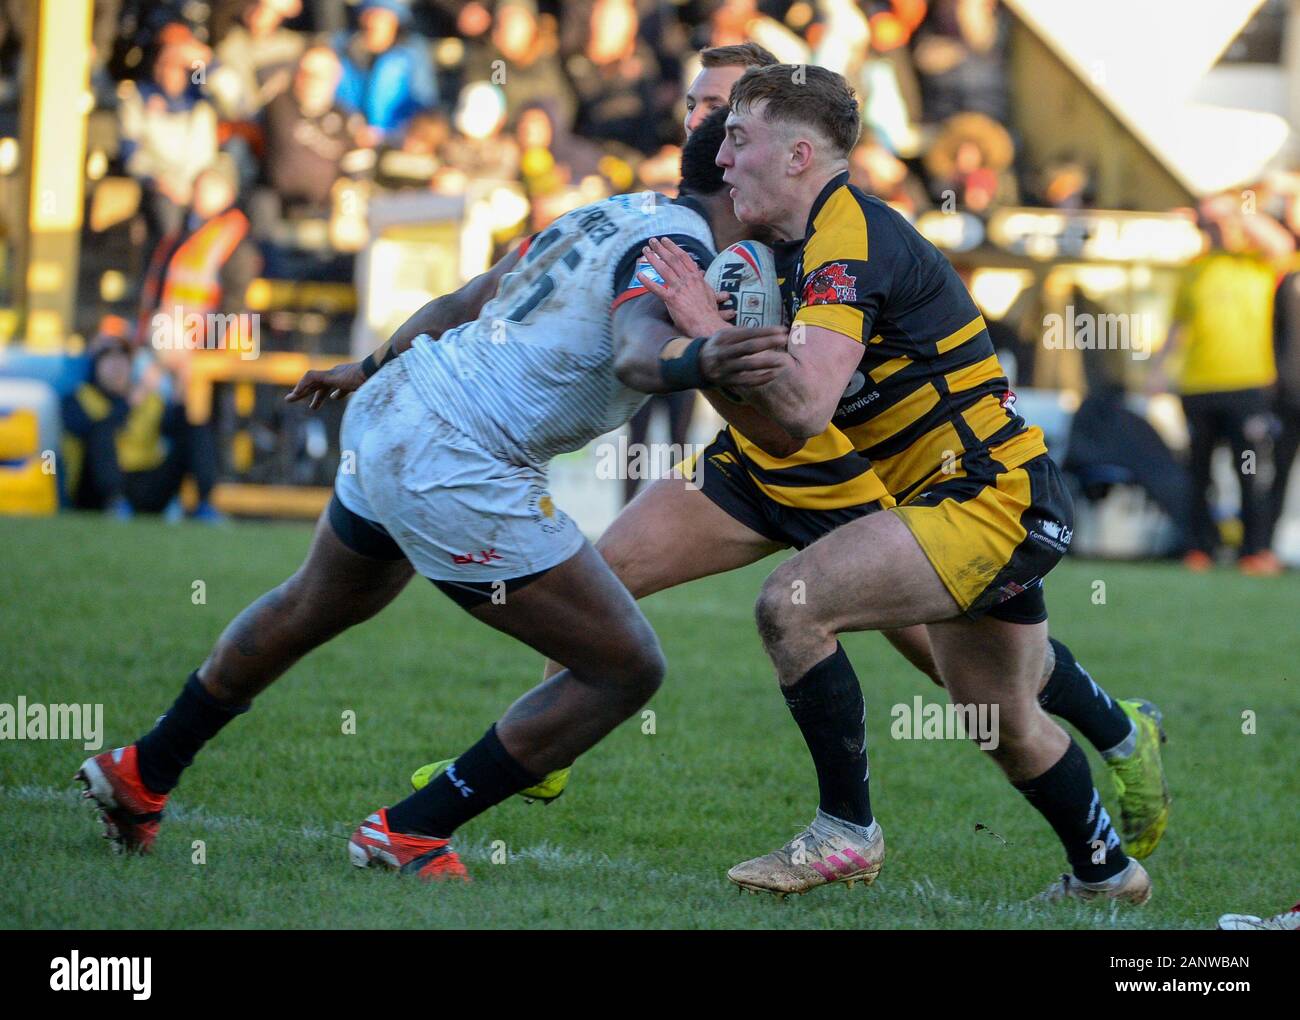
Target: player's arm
652 356
843 294
434 319
817 365
694 307
755 426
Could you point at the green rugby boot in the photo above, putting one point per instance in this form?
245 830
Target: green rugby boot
1140 782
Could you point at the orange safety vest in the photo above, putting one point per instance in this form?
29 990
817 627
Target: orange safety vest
192 279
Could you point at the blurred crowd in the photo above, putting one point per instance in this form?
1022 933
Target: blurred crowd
260 132
305 109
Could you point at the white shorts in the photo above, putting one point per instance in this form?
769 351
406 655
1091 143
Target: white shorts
458 512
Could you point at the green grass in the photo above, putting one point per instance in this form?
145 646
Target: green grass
99 611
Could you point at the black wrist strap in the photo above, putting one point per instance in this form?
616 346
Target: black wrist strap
368 364
684 372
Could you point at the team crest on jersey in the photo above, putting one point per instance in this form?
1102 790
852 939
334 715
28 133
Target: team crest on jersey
831 284
542 507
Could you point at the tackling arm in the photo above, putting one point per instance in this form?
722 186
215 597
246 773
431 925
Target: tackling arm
816 367
652 356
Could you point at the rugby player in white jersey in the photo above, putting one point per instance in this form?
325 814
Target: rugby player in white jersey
445 453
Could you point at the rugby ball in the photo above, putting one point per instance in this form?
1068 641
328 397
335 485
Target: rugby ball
746 273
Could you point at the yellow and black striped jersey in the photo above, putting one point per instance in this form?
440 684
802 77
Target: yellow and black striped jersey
929 400
827 473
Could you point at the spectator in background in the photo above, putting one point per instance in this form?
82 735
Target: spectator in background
92 416
969 164
310 149
732 22
886 81
169 130
255 59
1066 184
877 171
1223 328
523 60
552 160
387 74
844 36
127 448
307 135
422 159
480 149
614 78
442 18
961 60
202 269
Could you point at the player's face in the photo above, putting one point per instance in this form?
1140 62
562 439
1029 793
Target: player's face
710 91
753 157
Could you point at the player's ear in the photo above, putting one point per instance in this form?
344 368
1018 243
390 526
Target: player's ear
801 158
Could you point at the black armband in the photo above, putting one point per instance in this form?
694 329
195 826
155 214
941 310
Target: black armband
684 372
368 364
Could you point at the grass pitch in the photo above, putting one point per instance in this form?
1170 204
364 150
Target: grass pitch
105 612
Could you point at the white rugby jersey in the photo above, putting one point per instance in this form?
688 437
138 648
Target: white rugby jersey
533 375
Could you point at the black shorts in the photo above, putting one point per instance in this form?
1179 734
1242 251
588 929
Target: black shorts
729 486
370 538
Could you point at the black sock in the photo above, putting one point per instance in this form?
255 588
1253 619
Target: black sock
169 748
827 704
1074 696
1065 796
483 776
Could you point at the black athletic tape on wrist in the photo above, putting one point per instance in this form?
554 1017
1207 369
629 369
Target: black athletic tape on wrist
369 366
683 372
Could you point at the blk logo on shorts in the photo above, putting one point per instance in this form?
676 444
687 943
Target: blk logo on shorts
481 557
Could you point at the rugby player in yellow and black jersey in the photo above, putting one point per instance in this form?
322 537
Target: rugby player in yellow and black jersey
756 490
888 353
927 405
